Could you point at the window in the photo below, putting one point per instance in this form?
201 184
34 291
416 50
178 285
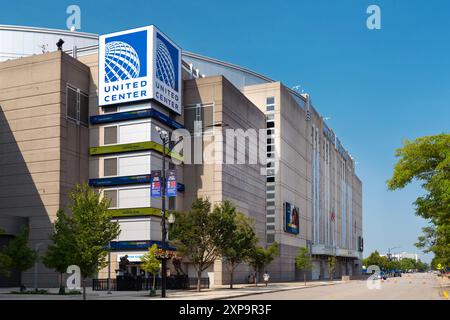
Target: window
110 167
270 132
111 195
271 212
270 117
270 220
110 135
271 124
270 203
204 113
77 105
134 198
270 179
271 196
270 188
134 165
84 109
271 227
135 132
270 238
109 109
270 148
270 104
72 103
270 141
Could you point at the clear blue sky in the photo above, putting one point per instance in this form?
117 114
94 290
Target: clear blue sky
379 87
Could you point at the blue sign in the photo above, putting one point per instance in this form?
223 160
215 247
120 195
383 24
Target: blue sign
291 218
171 183
126 180
155 184
138 245
135 114
139 64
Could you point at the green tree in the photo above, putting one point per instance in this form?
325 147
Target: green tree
59 254
237 247
427 159
332 261
374 259
303 261
422 266
258 258
5 262
92 229
201 233
151 264
407 264
21 256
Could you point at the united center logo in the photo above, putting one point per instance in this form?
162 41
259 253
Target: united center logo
166 62
126 57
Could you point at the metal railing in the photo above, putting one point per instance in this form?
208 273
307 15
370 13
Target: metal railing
139 284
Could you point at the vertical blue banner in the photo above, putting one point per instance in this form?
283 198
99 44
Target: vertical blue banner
171 183
155 184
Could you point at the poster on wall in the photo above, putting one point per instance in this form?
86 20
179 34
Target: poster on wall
291 218
155 184
171 183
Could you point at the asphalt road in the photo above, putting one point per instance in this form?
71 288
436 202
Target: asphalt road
420 286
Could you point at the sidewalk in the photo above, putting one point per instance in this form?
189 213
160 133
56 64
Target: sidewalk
218 292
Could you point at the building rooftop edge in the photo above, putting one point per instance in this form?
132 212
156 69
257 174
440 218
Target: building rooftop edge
48 30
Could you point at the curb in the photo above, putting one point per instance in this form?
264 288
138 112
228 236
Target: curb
275 290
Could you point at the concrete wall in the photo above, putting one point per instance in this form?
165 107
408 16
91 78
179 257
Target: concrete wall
42 153
243 184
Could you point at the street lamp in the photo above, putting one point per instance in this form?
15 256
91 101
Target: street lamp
109 268
389 255
165 138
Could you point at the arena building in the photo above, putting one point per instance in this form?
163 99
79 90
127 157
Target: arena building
70 116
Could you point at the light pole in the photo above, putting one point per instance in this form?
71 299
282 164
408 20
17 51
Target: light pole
389 252
164 135
109 268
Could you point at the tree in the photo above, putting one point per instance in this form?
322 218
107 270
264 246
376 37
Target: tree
422 266
91 229
21 256
427 159
151 264
259 257
407 264
374 259
5 262
200 234
59 254
237 247
332 261
303 261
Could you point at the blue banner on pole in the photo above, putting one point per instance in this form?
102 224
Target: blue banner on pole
155 184
171 183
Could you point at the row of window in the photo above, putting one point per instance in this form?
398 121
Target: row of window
270 184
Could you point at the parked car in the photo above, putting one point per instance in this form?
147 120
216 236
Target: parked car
397 273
